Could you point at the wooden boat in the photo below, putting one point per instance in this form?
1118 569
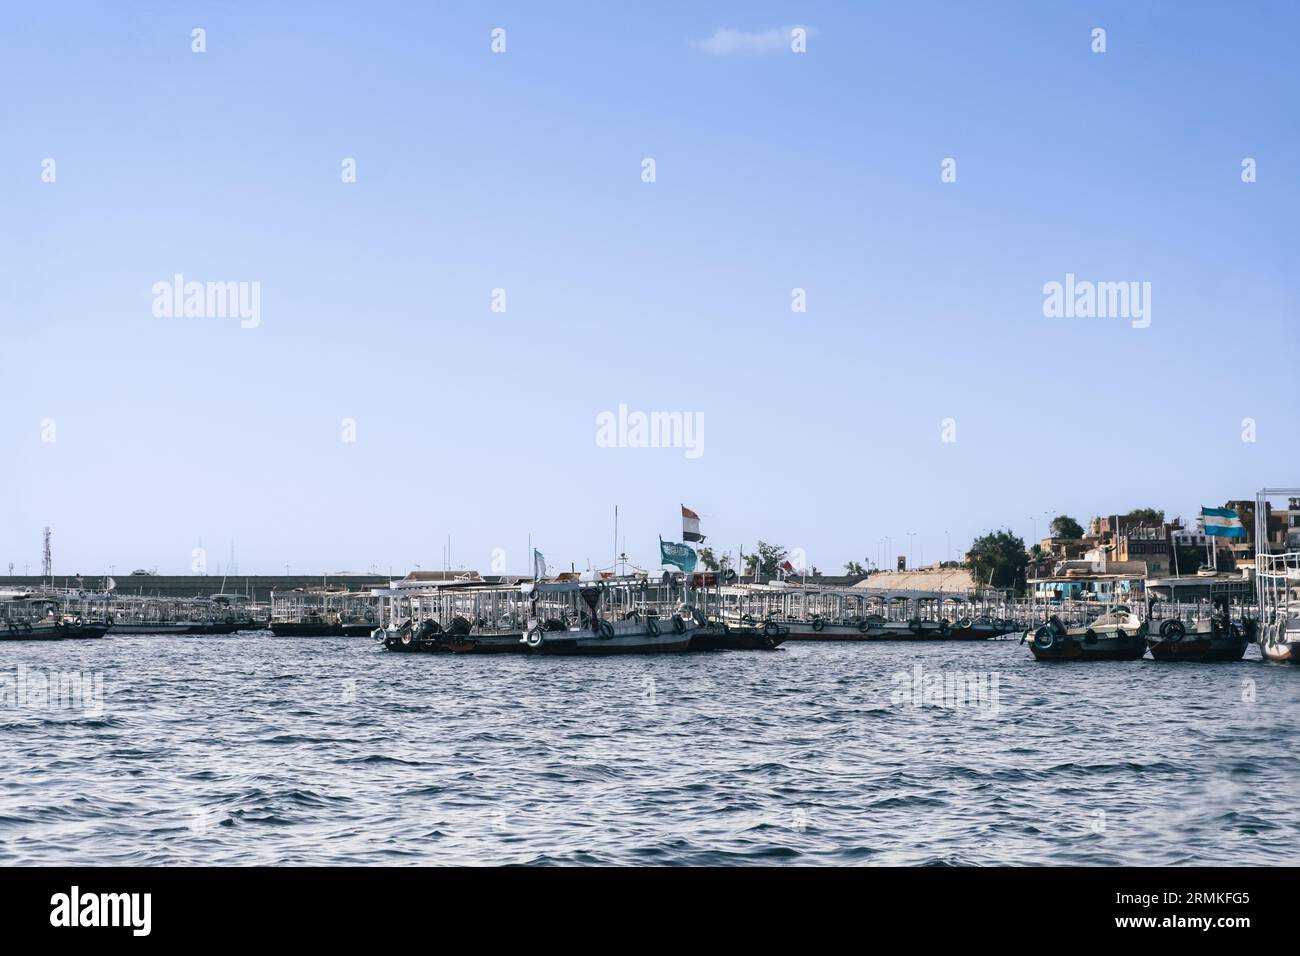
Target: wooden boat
812 613
170 616
322 612
1117 635
596 617
1205 632
34 616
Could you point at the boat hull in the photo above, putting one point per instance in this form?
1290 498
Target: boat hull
727 638
159 628
318 629
660 645
627 638
54 632
1198 649
511 643
1130 648
1280 652
890 631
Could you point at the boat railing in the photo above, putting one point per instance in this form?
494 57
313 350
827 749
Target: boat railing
1277 583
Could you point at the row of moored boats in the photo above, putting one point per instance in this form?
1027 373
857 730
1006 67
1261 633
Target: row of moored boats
595 613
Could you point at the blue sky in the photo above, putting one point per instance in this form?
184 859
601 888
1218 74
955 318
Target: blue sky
522 171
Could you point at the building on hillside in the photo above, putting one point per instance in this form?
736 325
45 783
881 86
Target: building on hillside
1291 524
1120 538
1086 581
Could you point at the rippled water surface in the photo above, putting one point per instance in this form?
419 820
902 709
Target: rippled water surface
254 750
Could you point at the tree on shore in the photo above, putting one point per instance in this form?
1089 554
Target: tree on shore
1146 516
1189 558
712 562
855 569
765 560
998 558
1063 526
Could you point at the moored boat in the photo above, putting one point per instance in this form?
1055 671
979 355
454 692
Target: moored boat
601 616
1277 579
1198 632
1117 635
322 612
812 613
31 616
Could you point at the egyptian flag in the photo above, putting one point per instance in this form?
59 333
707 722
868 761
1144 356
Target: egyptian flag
690 525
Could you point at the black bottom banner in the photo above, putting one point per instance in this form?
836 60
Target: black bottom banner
335 905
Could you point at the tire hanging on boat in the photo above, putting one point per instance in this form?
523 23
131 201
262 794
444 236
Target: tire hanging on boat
1173 630
818 624
652 627
1045 637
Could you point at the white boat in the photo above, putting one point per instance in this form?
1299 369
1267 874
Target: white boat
1277 587
1277 580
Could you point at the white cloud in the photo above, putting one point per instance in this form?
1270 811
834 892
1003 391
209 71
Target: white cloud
730 42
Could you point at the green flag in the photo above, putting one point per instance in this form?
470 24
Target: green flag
678 555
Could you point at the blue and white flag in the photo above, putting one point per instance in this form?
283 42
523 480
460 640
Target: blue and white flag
1222 523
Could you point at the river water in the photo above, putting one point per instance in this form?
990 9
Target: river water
249 749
